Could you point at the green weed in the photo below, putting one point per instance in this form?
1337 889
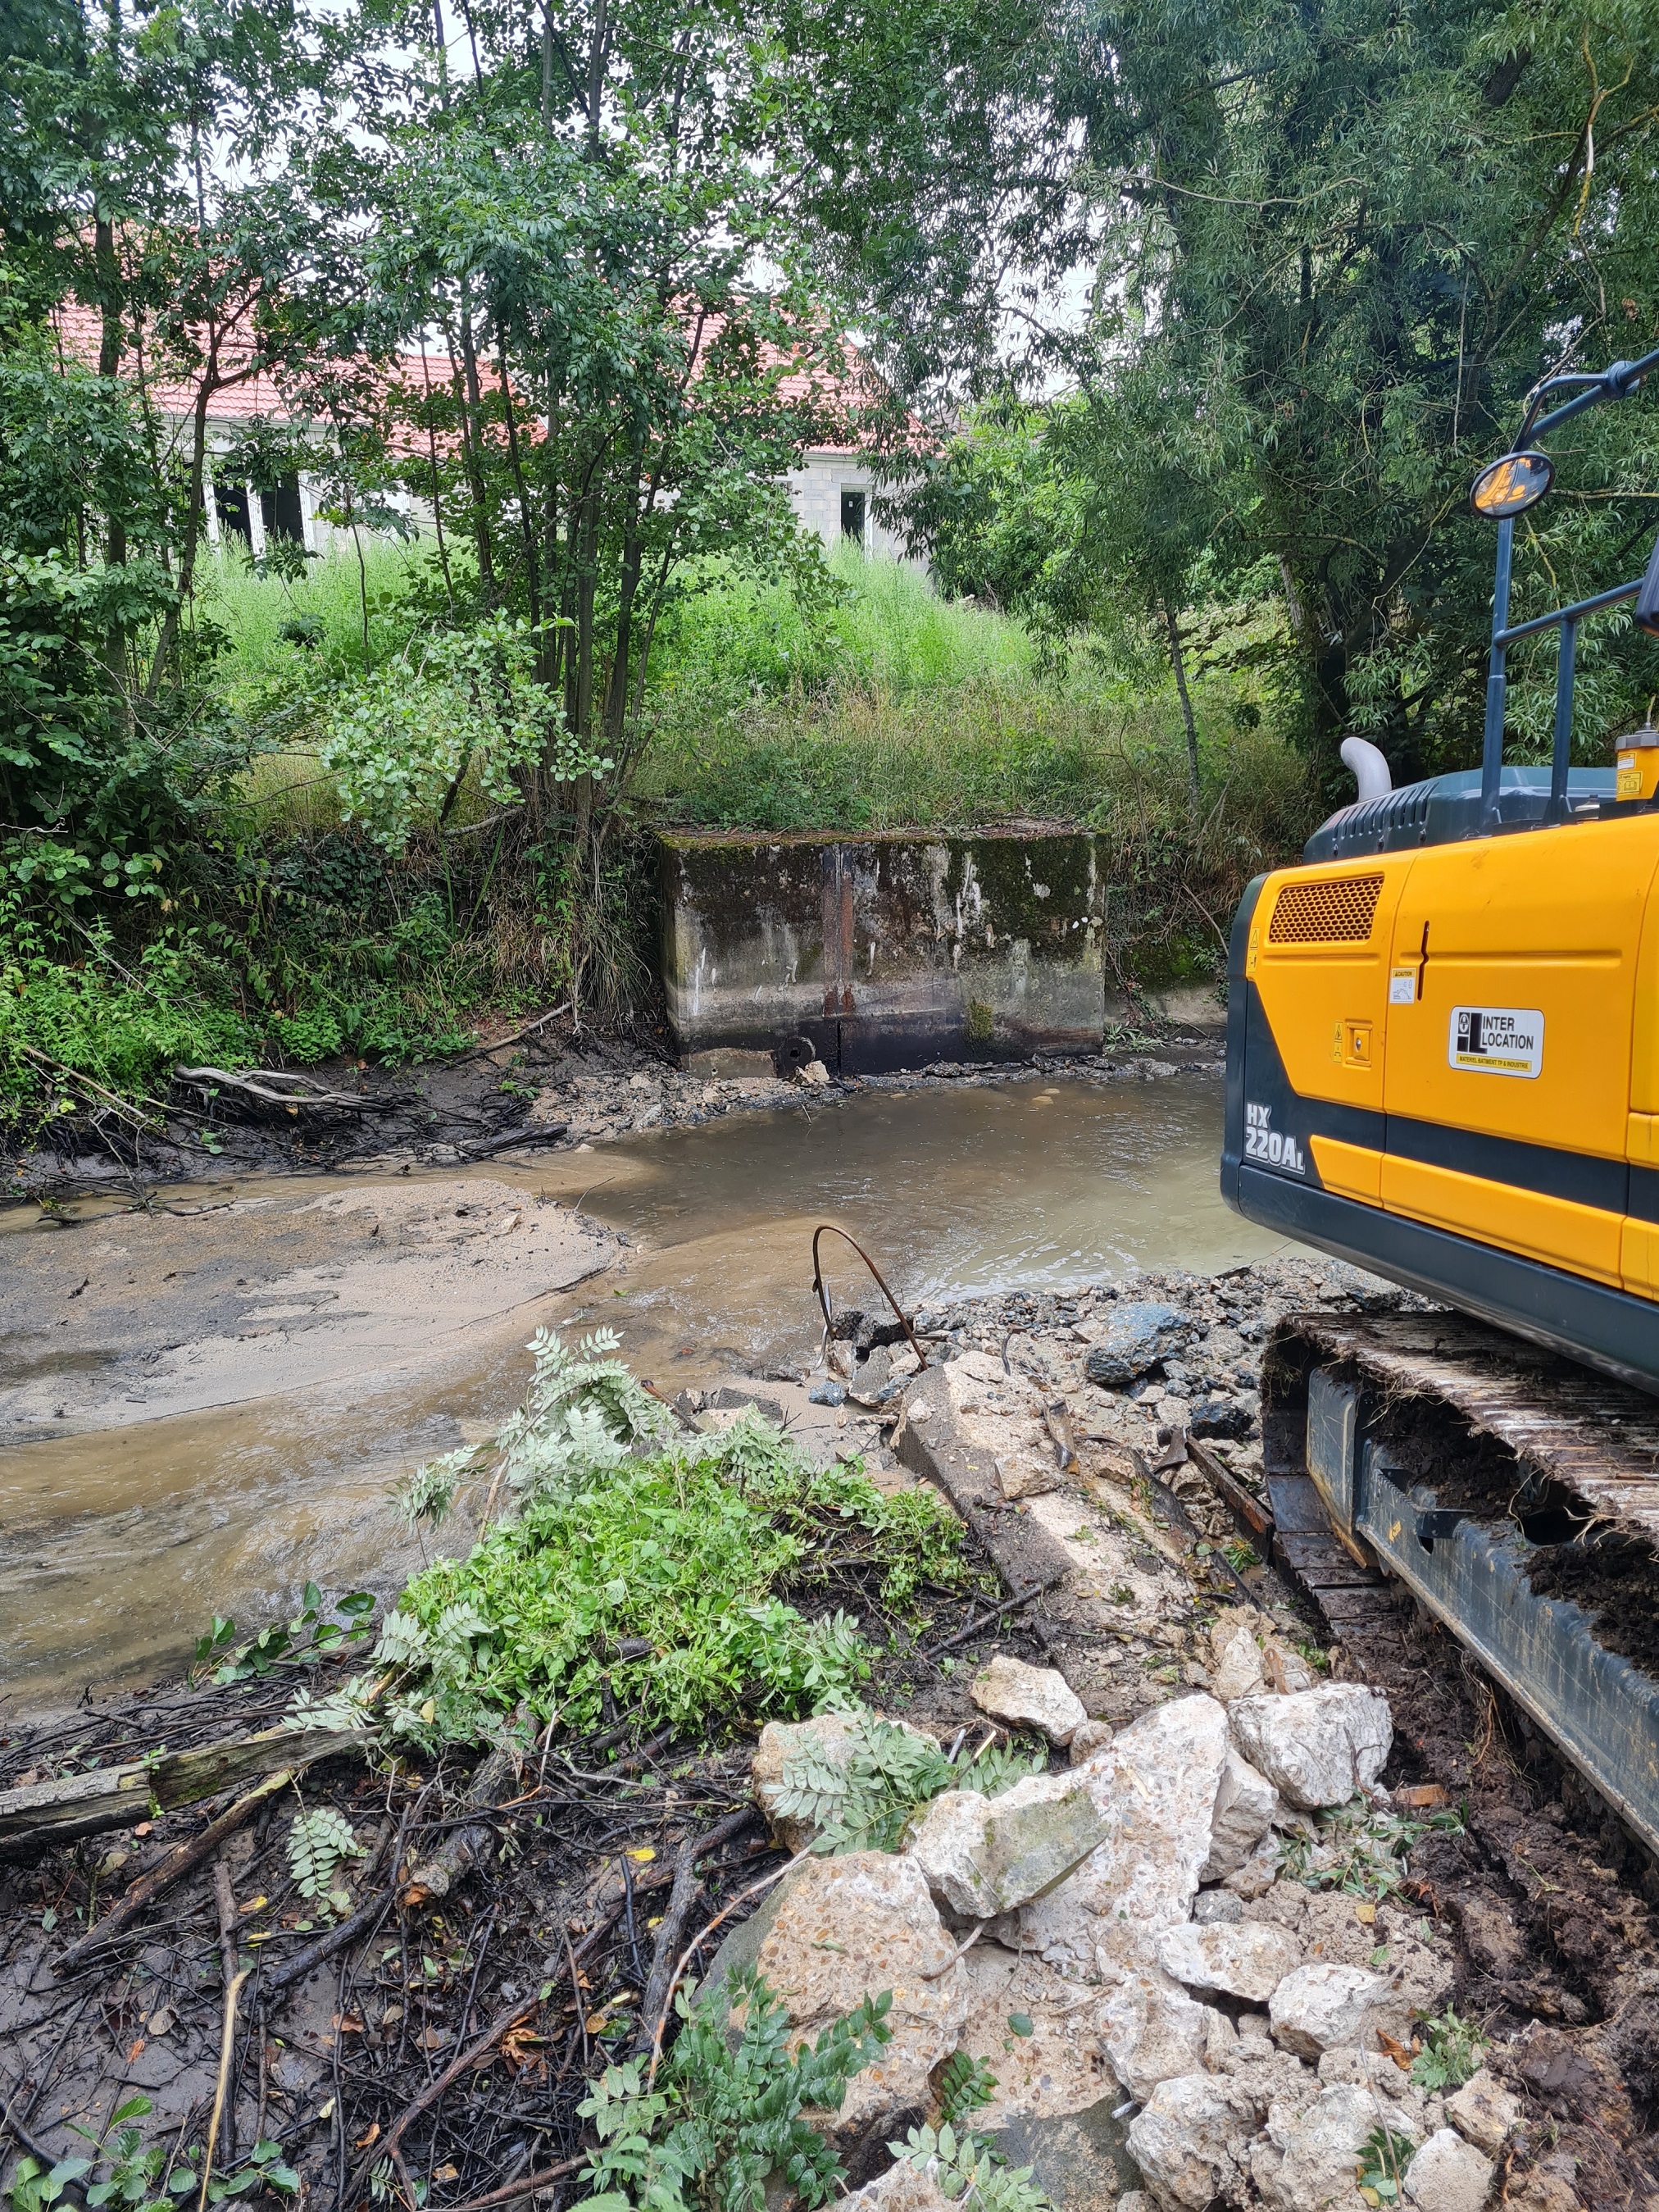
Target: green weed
1451 2051
1359 1850
721 2120
865 1799
1383 2158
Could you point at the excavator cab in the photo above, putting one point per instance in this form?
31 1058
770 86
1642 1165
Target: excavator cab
1443 1052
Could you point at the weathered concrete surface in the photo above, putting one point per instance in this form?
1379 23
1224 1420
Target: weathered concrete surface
886 952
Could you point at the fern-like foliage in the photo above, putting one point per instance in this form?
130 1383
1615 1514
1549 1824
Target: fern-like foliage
584 1412
429 1494
318 1842
964 2085
864 1798
966 2169
344 1708
721 2122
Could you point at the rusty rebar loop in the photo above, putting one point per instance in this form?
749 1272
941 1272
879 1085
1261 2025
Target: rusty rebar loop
833 1228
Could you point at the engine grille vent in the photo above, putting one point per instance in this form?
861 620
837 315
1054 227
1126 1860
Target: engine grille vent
1336 912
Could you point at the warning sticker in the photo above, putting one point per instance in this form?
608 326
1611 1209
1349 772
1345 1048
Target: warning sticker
1497 1040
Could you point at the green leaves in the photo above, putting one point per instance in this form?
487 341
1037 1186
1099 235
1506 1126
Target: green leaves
319 1842
722 2121
866 1798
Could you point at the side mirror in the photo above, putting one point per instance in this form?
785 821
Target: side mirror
1512 484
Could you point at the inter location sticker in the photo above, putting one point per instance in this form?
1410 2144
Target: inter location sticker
1497 1040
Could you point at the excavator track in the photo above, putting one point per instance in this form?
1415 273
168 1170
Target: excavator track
1513 1494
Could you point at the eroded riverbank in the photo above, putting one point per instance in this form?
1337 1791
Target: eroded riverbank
238 1385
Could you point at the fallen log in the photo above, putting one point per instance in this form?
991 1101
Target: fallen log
45 1813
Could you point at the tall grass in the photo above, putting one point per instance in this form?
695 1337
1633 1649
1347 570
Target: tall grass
276 629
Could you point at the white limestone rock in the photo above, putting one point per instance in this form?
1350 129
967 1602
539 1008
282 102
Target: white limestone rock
1028 1697
1308 2158
1317 1746
1448 2175
1236 1659
1244 1959
983 1856
1155 1787
1153 2031
1325 2006
1245 1803
851 1927
1191 2142
1483 2111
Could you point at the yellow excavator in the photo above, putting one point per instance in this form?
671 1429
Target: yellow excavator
1442 1065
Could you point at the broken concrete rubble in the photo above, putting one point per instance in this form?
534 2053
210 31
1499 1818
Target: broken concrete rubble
1448 2175
1483 2111
1191 2141
846 1927
1153 2030
1028 1697
1249 1959
1155 1786
983 1856
1245 1803
1133 1340
1323 2006
1307 2159
1317 1746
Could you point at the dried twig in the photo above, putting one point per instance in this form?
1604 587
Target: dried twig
179 1861
226 2046
681 1898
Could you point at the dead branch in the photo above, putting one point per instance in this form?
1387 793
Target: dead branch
276 1086
180 1861
682 1901
226 2046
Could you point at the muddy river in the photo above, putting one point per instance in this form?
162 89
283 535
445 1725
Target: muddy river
202 1405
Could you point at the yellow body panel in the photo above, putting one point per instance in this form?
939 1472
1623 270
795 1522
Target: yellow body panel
1328 999
1549 940
1550 922
1553 1229
1351 1171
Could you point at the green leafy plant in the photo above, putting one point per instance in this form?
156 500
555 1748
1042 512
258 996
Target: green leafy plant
299 1642
659 1577
1450 2053
133 2175
1383 2157
723 2117
319 1842
865 1797
965 2084
966 2169
1359 1850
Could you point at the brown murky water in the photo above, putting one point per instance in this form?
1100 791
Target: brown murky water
116 1544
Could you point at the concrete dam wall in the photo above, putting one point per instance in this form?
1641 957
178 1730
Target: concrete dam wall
889 951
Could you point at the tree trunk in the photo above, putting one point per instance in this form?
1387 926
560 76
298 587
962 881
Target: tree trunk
1178 663
194 514
473 447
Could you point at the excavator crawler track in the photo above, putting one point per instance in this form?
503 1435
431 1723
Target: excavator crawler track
1512 1493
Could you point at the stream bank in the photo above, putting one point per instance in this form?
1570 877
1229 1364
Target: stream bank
1080 1428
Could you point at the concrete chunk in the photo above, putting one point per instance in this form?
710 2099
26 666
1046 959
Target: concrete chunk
1028 1697
1448 2175
1191 2142
1317 1746
982 1856
1246 1959
1483 2111
1245 1803
1325 2008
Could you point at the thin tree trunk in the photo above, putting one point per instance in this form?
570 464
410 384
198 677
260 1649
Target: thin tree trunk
437 496
109 362
533 572
472 445
1178 663
193 517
